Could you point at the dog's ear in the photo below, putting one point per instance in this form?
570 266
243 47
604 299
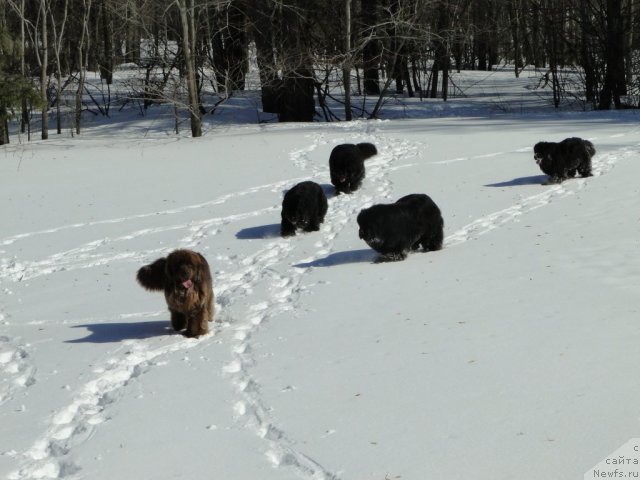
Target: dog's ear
199 263
367 150
152 276
202 274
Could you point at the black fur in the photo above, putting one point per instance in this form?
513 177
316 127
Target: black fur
396 228
346 165
563 159
303 207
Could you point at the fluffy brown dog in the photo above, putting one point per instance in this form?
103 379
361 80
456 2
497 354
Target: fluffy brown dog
185 277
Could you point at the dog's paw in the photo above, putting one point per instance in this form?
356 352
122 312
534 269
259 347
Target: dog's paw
390 257
552 181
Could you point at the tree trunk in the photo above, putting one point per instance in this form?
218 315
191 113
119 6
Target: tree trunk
614 80
132 35
192 86
24 118
4 127
586 54
296 100
44 65
435 69
346 66
371 47
82 52
107 55
296 97
58 39
514 15
262 31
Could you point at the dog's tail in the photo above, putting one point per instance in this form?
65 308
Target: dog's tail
367 149
151 276
591 150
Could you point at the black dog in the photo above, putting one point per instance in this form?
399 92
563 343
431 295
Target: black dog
396 228
563 159
303 207
346 165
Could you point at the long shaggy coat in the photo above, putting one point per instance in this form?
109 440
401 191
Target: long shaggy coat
562 160
395 229
346 165
185 278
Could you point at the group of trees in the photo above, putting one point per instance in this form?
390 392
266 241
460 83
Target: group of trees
304 49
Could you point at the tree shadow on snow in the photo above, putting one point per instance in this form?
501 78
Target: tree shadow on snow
262 231
532 180
342 258
117 332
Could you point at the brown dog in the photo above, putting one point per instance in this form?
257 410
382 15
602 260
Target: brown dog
185 277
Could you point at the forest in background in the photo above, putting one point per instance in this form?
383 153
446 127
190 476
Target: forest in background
307 51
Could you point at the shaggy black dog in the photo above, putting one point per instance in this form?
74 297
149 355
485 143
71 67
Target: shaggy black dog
346 165
185 278
563 159
303 207
396 228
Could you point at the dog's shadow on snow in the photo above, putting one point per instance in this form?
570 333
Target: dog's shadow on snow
531 180
259 232
342 258
329 190
118 332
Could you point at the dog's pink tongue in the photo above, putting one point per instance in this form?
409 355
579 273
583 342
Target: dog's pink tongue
187 284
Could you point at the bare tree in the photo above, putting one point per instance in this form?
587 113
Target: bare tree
57 28
371 53
186 20
614 80
261 28
346 66
82 53
296 102
43 60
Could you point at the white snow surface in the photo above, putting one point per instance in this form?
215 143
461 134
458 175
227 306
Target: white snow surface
510 354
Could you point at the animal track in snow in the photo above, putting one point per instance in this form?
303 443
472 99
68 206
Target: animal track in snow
285 289
17 371
73 424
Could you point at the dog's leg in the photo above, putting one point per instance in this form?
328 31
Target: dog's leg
391 257
312 227
433 242
585 168
178 321
287 228
198 325
552 180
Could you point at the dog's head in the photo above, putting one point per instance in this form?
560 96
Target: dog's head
540 151
299 217
348 178
180 275
342 183
368 226
183 273
346 165
296 208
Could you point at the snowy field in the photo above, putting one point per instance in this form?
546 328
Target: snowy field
510 354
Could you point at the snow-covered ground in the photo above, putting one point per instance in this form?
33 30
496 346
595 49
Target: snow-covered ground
510 354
